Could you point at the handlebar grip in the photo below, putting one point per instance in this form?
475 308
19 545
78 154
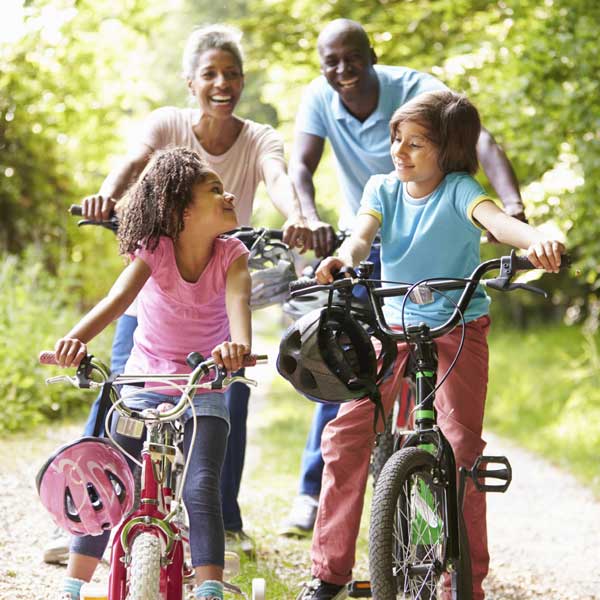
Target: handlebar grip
253 359
522 263
76 210
47 357
302 282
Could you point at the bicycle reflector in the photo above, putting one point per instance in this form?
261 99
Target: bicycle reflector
86 486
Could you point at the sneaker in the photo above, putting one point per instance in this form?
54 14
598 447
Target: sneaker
56 550
301 520
239 542
321 590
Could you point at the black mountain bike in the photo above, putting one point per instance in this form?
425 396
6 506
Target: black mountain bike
418 547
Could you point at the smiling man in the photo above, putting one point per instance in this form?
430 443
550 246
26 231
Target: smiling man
350 105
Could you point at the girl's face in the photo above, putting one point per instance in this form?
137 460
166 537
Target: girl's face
218 83
211 208
416 159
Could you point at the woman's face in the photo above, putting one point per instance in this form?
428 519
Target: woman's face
218 83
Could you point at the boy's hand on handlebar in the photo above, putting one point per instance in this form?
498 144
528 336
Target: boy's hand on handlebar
97 207
230 355
328 268
297 234
69 352
546 255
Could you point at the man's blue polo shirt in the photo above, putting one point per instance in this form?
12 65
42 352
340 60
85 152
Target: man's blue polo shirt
361 149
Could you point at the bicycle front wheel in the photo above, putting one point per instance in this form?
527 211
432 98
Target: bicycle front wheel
144 570
408 534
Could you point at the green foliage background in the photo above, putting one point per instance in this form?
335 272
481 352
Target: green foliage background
81 76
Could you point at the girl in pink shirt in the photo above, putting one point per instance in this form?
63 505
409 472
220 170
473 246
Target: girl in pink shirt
193 288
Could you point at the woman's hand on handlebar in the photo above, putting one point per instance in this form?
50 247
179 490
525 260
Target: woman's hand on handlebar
297 234
230 355
97 207
69 352
546 254
328 268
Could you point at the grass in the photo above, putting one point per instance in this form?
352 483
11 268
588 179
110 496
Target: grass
544 393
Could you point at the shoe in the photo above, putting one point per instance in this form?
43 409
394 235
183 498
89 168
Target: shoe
56 550
240 542
321 590
301 520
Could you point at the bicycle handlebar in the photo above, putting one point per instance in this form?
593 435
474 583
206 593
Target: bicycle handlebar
48 357
507 265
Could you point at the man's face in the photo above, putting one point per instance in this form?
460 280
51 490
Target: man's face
346 62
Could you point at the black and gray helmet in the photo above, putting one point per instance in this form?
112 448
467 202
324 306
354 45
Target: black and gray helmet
329 357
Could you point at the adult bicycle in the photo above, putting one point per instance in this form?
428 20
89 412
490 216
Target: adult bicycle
418 546
148 549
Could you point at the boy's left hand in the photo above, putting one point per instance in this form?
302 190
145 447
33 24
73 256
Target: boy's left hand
546 255
230 355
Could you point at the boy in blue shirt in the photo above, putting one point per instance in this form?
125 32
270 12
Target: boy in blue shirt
430 212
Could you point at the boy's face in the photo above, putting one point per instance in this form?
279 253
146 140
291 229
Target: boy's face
211 208
415 159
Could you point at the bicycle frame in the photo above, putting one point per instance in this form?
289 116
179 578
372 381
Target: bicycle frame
159 506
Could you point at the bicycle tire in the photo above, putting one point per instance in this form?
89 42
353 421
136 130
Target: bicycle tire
144 570
408 534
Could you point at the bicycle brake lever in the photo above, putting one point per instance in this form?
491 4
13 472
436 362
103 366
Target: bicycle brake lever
528 288
500 284
60 378
238 378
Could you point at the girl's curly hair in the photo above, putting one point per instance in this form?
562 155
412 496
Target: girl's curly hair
156 202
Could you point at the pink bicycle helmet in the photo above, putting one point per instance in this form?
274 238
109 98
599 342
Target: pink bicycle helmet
87 486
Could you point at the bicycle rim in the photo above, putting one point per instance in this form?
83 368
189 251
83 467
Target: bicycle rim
408 534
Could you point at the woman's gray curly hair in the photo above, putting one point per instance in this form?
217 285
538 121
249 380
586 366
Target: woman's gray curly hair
211 37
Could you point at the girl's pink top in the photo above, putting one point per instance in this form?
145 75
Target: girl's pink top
176 317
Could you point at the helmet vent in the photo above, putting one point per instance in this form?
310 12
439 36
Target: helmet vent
94 497
288 364
308 380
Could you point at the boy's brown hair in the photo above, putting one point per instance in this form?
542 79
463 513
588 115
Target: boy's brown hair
452 124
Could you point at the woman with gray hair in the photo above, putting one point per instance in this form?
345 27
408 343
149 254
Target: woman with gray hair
243 153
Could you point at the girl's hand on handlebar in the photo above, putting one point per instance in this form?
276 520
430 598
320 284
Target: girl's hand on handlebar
328 268
97 207
69 352
230 355
546 255
297 234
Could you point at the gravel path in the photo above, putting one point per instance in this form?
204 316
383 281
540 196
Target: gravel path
542 531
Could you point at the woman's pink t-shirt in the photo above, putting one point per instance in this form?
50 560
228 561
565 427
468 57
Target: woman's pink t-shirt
176 317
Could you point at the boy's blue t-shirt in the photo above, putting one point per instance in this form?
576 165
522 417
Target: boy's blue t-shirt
433 238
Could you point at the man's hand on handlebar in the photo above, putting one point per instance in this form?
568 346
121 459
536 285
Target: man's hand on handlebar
69 352
323 238
97 207
230 355
297 234
546 254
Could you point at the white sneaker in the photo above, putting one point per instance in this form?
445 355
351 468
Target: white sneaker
56 551
301 520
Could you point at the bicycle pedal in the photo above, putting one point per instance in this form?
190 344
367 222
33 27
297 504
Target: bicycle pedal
491 467
359 589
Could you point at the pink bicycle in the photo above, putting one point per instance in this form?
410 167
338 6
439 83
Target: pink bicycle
148 548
